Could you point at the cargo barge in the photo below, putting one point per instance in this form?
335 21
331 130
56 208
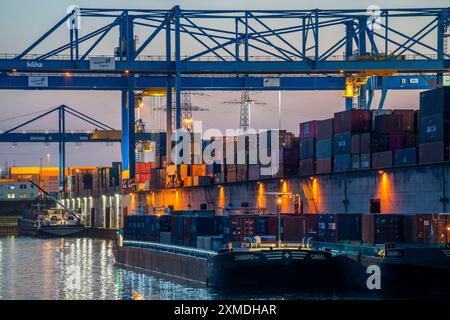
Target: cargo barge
242 269
401 270
407 269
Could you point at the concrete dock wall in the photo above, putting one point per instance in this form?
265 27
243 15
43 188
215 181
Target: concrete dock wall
408 190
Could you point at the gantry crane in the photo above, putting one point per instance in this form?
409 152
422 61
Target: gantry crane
238 56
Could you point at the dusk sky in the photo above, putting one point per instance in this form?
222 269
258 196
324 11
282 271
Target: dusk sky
23 21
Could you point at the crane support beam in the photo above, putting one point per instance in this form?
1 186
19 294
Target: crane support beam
220 67
60 82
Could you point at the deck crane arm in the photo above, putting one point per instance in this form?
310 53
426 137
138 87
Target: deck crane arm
72 212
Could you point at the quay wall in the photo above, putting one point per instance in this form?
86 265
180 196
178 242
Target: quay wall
415 189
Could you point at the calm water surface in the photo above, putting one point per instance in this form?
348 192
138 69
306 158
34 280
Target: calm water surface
84 268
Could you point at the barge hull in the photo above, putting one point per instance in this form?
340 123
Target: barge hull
273 269
186 267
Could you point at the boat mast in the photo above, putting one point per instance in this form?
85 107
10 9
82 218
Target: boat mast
72 212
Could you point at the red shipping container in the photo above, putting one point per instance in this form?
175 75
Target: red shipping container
382 159
396 141
356 144
293 228
418 228
272 225
324 166
411 141
408 122
433 152
310 225
441 225
306 167
187 231
355 120
242 226
325 129
365 141
389 124
308 129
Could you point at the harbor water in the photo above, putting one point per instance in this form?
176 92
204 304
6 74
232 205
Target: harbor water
84 268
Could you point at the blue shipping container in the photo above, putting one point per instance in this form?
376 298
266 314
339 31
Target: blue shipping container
307 148
404 157
434 128
342 163
365 161
324 149
342 143
435 101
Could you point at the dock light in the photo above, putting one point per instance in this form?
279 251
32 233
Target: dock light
279 200
219 186
127 71
312 178
281 180
67 74
380 172
341 71
14 70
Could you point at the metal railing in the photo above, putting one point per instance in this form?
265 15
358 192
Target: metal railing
192 252
213 58
42 131
366 250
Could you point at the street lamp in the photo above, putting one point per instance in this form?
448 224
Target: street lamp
279 200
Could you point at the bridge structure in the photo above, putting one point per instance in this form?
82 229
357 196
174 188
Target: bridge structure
395 49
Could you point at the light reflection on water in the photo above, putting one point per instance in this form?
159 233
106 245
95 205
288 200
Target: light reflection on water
33 268
83 268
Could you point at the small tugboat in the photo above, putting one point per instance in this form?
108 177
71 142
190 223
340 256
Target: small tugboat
56 222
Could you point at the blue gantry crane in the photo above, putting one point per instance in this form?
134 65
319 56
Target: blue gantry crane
101 133
357 51
61 136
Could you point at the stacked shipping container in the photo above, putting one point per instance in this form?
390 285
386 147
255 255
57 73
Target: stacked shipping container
348 125
307 147
434 125
324 146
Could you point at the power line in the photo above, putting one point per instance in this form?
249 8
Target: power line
25 115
